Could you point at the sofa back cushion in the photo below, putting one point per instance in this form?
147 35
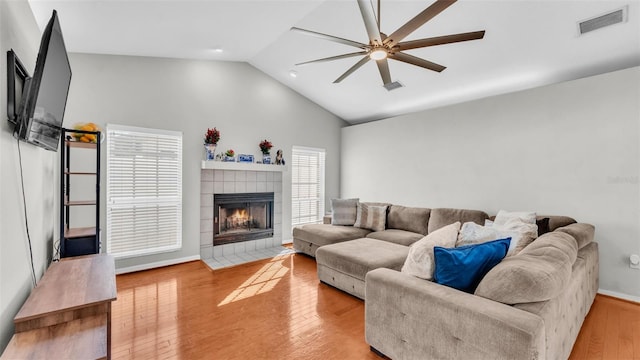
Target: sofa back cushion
409 219
538 273
583 233
442 217
558 221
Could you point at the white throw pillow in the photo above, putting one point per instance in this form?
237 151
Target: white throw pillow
504 216
420 262
521 234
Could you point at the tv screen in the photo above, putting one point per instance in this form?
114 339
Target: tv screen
45 97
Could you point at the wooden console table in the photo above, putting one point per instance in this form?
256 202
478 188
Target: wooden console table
68 314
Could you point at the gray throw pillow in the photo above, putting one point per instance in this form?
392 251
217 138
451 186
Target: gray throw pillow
371 217
343 211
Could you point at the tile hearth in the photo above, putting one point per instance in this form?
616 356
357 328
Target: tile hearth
222 261
219 181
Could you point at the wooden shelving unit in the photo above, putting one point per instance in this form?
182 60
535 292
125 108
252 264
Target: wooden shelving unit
76 241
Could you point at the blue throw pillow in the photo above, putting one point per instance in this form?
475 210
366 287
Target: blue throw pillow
463 267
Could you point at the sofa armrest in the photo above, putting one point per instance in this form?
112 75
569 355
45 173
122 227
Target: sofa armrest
410 318
326 219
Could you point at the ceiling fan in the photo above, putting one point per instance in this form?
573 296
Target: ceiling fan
382 47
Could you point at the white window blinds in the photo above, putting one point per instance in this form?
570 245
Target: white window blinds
307 185
144 191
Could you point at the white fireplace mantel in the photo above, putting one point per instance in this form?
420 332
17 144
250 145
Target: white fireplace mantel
222 165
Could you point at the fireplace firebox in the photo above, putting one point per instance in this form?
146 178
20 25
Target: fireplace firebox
242 217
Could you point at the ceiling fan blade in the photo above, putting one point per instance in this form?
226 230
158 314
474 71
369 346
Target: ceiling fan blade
410 59
379 15
352 69
419 20
370 22
383 66
330 38
440 40
330 58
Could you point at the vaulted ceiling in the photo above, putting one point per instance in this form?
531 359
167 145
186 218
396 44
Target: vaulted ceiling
527 44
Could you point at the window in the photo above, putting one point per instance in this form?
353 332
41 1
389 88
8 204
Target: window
144 191
307 185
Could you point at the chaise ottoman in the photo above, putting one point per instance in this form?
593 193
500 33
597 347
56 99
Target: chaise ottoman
344 265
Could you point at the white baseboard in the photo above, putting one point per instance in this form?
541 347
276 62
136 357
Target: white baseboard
619 295
157 264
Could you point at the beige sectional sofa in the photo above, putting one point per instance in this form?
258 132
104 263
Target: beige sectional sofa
530 306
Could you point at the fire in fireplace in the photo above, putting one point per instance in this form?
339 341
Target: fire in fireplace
242 217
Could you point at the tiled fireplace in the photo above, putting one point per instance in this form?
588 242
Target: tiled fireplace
261 222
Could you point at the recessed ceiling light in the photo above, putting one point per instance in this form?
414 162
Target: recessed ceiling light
218 49
293 73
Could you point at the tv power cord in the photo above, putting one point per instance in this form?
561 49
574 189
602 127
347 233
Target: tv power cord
26 220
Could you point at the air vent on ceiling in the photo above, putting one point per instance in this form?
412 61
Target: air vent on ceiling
393 85
612 18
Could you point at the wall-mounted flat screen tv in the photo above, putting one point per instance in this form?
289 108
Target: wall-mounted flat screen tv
44 96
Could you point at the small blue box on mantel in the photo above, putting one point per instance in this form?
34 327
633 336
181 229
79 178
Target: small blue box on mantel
244 158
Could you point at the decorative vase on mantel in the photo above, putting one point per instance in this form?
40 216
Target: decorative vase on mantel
211 151
266 157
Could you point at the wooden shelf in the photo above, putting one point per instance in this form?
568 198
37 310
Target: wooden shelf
80 144
79 232
79 203
211 164
85 338
79 173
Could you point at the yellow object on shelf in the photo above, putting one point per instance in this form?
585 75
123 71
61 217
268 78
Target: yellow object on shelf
87 138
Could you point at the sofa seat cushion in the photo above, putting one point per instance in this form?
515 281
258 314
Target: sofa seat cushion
410 219
324 234
357 257
540 272
443 217
396 236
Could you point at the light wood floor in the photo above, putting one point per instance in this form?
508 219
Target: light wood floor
276 309
610 331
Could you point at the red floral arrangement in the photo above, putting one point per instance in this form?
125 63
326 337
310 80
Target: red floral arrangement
265 146
212 136
230 153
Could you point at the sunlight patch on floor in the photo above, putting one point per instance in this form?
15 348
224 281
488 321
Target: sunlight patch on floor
262 281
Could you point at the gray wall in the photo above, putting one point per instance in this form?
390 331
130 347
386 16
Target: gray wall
190 96
567 149
18 30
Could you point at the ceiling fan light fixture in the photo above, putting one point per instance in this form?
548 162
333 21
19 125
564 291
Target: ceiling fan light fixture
378 54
